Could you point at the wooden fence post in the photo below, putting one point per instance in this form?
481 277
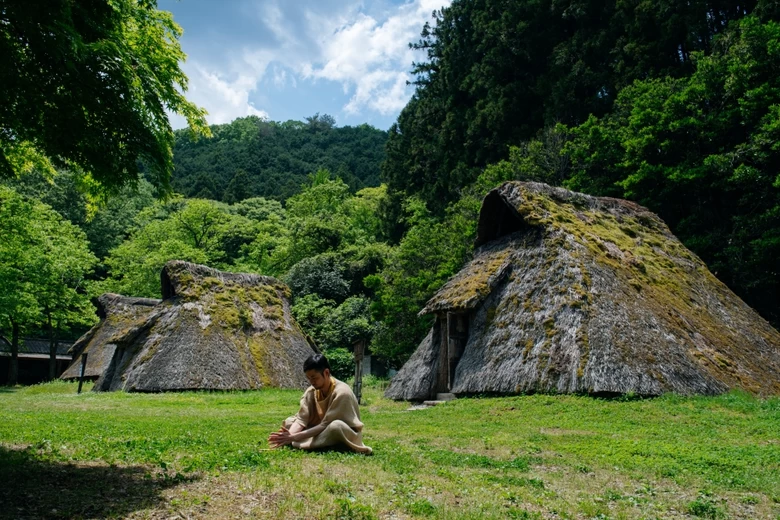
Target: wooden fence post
359 351
83 369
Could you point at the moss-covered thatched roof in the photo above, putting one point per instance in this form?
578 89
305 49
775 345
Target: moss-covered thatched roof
573 293
118 316
213 330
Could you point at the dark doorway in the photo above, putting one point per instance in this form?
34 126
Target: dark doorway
454 334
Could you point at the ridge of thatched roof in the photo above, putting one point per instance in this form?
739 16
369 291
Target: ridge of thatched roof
573 293
179 278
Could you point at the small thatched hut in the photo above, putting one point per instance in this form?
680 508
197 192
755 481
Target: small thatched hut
572 293
117 314
212 331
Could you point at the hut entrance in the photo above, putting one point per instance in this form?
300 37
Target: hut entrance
454 329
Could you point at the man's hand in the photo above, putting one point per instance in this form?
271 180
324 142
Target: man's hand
296 433
281 438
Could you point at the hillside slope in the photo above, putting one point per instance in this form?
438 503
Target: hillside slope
251 157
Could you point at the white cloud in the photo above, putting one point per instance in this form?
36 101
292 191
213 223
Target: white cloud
224 99
370 58
281 78
364 49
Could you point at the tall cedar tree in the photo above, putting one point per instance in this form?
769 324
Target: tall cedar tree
498 71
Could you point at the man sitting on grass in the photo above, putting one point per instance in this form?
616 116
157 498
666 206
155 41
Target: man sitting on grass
329 415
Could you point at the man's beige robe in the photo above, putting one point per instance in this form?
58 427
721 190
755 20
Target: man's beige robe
339 411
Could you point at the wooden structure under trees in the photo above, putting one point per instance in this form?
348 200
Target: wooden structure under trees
34 359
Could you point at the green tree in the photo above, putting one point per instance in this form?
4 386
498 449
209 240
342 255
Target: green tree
62 294
238 188
266 254
315 221
43 264
322 275
277 157
193 230
702 152
258 208
335 327
499 71
86 85
106 223
428 255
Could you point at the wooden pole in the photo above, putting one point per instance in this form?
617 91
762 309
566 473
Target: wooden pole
83 369
359 351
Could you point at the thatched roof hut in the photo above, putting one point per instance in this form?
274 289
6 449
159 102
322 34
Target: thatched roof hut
118 314
212 331
572 293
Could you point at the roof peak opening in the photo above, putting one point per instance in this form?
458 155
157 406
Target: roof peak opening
497 218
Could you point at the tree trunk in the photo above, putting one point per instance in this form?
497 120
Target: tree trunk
13 367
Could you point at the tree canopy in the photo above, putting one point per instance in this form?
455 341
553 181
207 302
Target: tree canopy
251 157
44 261
86 85
702 152
498 71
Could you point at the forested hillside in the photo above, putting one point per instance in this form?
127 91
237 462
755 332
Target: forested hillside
499 71
251 157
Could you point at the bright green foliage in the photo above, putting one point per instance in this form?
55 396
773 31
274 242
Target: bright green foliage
193 230
323 275
43 264
363 215
341 361
266 253
349 322
498 71
324 218
87 85
257 208
20 258
44 260
315 221
311 311
702 152
106 223
251 157
335 325
332 242
428 255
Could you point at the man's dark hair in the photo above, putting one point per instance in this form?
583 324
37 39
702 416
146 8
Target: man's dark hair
316 362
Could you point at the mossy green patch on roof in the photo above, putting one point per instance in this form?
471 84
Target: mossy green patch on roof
470 285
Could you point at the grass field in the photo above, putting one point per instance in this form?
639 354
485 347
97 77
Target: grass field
204 455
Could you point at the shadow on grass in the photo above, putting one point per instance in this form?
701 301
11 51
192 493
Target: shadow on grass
33 488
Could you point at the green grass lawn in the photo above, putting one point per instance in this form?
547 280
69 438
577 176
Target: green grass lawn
204 455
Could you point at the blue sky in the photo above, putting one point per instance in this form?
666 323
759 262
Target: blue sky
288 59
